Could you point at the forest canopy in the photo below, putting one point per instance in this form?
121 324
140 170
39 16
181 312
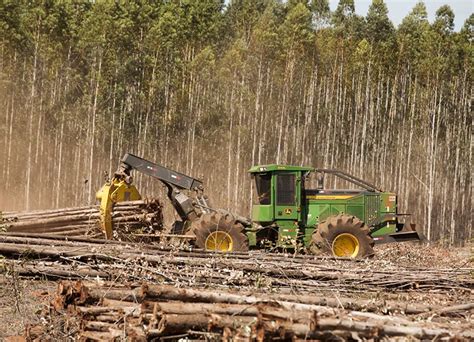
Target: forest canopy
210 89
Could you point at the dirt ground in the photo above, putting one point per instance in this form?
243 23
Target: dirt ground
21 300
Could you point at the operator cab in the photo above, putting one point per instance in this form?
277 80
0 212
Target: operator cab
279 190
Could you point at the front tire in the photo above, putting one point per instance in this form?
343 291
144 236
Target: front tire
343 236
220 232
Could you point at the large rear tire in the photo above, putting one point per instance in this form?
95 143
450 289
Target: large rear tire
220 232
342 236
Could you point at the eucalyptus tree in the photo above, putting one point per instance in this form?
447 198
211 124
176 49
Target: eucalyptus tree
210 87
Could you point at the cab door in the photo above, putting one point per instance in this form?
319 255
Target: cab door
287 196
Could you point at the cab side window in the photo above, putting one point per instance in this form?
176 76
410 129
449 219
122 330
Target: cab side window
286 189
263 182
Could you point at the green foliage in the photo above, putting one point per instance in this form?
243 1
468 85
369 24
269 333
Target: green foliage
379 26
241 16
11 22
444 21
442 41
464 49
320 7
296 31
265 40
415 22
413 36
290 4
468 29
348 25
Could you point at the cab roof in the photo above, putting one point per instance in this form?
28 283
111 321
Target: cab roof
277 167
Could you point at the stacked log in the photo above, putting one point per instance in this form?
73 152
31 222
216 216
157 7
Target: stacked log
85 221
141 313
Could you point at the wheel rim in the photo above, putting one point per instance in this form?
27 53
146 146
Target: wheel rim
219 241
345 245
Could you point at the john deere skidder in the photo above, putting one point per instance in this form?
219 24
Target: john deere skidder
286 214
346 223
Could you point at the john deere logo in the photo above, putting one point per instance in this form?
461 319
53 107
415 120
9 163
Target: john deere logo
288 211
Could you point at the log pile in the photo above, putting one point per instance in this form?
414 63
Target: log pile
85 221
89 311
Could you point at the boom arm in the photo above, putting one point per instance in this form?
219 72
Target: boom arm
120 188
179 180
174 181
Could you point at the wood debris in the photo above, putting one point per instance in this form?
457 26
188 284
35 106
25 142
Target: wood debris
192 267
112 289
141 313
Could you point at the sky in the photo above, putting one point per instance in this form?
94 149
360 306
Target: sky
398 9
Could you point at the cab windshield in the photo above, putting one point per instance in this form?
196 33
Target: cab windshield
263 184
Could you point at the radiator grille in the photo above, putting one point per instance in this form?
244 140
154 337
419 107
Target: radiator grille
372 203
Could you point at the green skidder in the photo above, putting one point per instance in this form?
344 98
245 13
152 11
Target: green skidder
346 223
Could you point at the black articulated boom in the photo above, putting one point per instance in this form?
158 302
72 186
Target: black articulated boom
174 181
179 180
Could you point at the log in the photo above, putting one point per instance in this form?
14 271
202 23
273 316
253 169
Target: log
51 239
55 273
453 310
234 310
150 292
99 326
383 329
359 304
110 335
178 307
173 324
